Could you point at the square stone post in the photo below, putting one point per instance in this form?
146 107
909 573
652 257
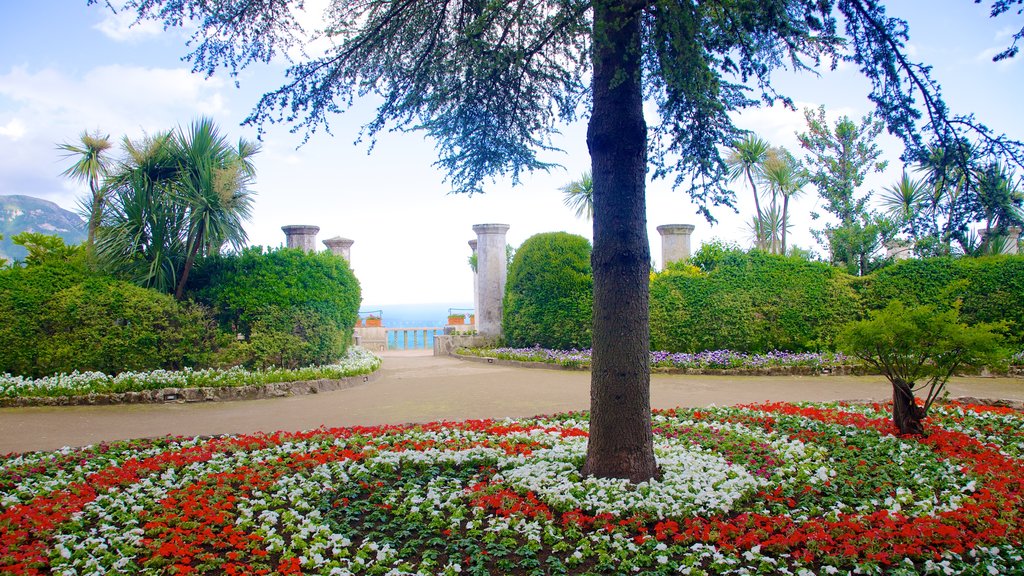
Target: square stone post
675 242
491 273
301 236
1012 240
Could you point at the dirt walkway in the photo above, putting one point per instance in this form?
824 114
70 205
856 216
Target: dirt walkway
419 388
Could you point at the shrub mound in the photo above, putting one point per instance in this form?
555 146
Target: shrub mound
549 293
56 317
774 488
291 307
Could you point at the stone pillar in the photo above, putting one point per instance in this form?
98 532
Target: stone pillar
301 236
898 249
675 242
476 296
340 247
491 271
1012 240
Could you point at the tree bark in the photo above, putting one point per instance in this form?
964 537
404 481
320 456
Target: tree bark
906 414
621 441
179 293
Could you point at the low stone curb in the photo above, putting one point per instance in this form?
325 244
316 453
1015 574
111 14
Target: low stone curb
192 395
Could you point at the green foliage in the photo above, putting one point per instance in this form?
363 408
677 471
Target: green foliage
292 307
44 248
57 316
549 293
989 288
112 326
919 347
750 302
25 294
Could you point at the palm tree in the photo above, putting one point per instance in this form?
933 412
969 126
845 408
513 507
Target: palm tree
785 177
745 160
579 196
141 233
90 166
1001 203
904 201
213 183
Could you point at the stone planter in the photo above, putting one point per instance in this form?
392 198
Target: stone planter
372 322
456 320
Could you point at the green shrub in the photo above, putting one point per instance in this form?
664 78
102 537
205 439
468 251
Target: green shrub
293 308
549 293
110 326
989 288
754 302
25 294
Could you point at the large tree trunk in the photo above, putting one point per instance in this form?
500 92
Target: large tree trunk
621 441
906 414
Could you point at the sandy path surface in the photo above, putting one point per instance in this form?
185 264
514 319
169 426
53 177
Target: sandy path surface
414 387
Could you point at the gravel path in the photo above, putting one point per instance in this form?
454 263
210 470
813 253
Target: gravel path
413 387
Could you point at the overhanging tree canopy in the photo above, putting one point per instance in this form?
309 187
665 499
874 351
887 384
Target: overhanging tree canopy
491 81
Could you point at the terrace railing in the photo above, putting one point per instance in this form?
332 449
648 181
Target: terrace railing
412 338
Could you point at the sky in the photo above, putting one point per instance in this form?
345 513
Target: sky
66 67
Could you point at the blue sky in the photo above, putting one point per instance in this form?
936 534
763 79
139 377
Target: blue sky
66 67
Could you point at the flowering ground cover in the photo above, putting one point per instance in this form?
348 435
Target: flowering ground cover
710 359
763 489
357 361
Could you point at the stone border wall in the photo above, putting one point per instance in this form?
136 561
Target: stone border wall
190 395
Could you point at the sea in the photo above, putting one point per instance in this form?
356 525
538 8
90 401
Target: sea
434 315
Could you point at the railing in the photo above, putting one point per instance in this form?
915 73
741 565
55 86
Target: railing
421 338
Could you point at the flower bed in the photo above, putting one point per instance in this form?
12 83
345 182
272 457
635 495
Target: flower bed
708 360
357 361
763 489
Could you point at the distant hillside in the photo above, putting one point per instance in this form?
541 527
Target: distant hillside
27 214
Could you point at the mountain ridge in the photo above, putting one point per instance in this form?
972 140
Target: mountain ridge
20 213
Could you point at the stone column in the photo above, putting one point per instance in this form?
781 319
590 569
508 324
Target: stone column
491 271
675 242
301 236
340 247
476 296
898 249
1012 240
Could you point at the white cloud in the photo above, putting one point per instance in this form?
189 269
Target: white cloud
121 27
14 129
49 106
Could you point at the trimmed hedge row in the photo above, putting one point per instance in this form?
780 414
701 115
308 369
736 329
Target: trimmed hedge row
753 302
57 317
293 309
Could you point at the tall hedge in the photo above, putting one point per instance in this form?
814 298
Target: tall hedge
549 293
750 302
990 288
293 308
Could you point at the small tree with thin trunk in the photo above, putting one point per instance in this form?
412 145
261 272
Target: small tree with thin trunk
918 349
